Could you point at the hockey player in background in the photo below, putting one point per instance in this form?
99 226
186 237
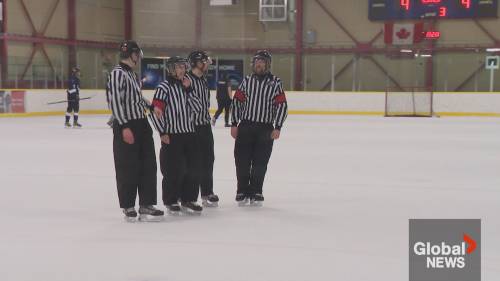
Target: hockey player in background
223 99
259 109
73 98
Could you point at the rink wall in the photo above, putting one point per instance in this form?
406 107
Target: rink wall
35 103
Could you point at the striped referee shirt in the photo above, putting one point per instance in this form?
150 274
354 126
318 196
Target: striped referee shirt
260 99
201 90
179 106
123 93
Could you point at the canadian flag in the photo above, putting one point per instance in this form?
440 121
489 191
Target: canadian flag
403 33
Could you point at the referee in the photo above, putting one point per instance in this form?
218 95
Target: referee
133 146
259 109
175 105
200 61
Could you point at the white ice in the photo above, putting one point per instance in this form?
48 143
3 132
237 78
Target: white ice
339 193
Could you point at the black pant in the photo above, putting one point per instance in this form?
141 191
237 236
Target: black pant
73 104
206 157
223 105
252 151
178 163
135 164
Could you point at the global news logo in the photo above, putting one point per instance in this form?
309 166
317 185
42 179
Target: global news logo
445 256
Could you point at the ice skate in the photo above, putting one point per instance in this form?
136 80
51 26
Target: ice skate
130 214
257 200
211 200
77 125
150 214
191 208
242 199
173 209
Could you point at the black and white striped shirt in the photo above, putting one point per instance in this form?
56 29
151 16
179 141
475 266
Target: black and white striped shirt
179 106
123 93
260 99
201 90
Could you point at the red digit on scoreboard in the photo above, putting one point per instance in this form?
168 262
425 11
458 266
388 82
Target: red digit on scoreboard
443 11
405 4
466 3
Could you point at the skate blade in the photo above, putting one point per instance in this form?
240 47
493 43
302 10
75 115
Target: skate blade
173 213
243 203
129 219
255 204
149 218
190 212
209 204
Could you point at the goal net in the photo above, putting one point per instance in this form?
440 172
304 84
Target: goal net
409 102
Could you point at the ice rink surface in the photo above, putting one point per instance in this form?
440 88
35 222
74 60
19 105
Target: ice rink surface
339 193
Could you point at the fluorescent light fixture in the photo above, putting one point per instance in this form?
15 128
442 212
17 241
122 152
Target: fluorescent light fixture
406 51
493 50
426 55
222 2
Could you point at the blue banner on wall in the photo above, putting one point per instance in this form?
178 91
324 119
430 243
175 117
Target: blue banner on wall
230 69
153 69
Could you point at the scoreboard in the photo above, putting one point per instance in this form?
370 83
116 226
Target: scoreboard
387 10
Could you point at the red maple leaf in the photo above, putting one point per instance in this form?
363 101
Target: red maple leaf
403 34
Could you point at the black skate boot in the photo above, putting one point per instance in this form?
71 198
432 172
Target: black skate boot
241 199
173 209
211 200
77 125
67 125
130 214
150 213
256 200
191 208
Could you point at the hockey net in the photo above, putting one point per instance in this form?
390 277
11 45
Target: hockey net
409 102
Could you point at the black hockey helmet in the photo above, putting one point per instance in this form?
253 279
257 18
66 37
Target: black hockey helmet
128 47
75 69
173 61
263 55
198 56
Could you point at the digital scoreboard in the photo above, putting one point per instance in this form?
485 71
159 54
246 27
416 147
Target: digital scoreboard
388 10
